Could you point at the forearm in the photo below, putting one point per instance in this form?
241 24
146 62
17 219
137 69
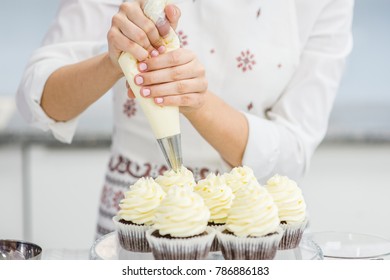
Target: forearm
225 128
72 88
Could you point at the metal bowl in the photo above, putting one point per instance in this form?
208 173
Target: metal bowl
19 250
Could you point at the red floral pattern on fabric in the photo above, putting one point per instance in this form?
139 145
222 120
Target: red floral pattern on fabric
116 199
129 108
124 166
258 14
183 38
111 198
246 61
105 196
250 107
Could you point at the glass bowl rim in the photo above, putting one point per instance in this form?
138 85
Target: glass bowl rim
311 235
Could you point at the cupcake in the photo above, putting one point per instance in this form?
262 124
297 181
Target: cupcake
292 209
239 177
218 197
181 177
252 230
136 214
180 229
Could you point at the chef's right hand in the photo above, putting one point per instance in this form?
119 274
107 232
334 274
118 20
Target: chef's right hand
131 31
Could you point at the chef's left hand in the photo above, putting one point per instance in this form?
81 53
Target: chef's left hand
175 78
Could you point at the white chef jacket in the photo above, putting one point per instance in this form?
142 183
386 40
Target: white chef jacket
279 62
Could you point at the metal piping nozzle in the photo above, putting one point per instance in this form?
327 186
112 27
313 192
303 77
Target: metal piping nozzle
171 148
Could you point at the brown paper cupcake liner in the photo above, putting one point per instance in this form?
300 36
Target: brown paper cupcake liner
215 245
193 248
249 248
132 237
292 235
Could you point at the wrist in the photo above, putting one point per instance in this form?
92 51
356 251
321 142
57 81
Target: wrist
112 67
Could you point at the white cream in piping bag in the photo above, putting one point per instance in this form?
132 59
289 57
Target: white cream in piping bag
163 120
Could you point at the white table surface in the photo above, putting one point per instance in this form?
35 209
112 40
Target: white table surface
65 254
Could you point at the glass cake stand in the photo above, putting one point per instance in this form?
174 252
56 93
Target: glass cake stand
108 248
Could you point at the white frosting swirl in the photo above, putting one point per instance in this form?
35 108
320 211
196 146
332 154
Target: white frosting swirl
182 213
288 197
239 177
180 178
141 201
253 212
217 196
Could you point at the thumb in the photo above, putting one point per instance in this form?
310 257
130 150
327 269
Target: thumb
173 14
172 18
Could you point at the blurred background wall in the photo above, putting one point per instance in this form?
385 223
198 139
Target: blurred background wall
49 192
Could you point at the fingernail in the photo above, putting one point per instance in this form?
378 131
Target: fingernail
161 49
143 66
145 92
159 100
173 11
139 80
154 53
161 21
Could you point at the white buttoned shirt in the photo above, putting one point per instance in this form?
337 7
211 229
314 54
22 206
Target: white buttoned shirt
279 62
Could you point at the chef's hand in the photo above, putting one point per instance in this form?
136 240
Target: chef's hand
175 78
131 31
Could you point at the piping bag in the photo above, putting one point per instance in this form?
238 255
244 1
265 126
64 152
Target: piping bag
164 121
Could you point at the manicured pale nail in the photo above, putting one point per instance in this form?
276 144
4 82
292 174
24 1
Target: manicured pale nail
145 92
154 53
159 100
174 12
161 49
139 80
161 21
143 66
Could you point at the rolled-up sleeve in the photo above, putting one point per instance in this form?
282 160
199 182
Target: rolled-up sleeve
78 33
286 139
